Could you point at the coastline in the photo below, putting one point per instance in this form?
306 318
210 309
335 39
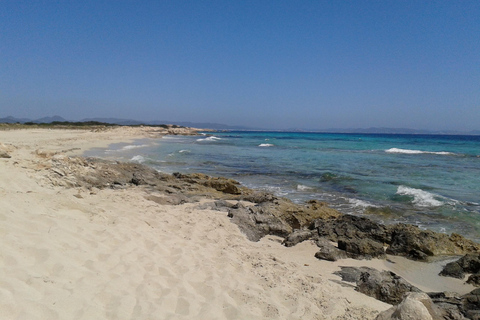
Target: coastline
73 252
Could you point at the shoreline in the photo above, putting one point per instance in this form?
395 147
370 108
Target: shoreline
65 246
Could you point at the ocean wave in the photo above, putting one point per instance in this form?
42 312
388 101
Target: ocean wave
421 198
138 158
266 145
129 147
408 151
184 151
361 203
301 187
212 138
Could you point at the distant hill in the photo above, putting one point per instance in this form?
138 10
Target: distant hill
219 126
202 125
49 119
122 122
13 120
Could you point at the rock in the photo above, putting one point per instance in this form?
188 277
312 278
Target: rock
449 305
474 279
221 184
352 274
361 248
328 251
454 270
351 227
384 286
470 263
4 154
417 244
298 236
359 237
259 197
297 216
471 304
255 225
414 306
168 200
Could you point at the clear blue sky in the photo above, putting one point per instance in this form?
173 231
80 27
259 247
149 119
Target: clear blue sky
273 64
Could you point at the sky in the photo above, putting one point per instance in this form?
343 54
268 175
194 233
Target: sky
269 64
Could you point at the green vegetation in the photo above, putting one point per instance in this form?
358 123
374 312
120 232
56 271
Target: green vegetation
77 125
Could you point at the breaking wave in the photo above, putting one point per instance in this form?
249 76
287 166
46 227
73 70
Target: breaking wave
212 138
408 151
266 145
138 159
421 198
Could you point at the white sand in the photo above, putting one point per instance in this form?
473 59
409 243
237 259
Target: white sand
112 254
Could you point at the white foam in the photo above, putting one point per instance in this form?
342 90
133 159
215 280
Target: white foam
138 159
134 146
407 151
184 151
361 203
265 145
421 198
212 138
301 187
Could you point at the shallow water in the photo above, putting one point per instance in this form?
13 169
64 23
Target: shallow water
431 181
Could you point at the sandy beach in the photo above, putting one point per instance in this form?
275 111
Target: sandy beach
74 253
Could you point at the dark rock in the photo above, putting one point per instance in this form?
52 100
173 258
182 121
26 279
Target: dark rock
352 274
411 241
384 286
474 279
298 236
471 304
5 155
362 248
470 263
255 225
454 270
328 251
351 227
449 305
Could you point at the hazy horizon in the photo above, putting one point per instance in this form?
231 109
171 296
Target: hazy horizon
269 64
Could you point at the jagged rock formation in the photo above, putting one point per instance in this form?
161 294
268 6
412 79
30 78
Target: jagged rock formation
266 214
469 263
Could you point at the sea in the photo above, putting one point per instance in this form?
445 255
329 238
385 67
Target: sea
432 181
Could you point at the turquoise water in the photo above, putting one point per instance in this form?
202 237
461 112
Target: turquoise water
430 181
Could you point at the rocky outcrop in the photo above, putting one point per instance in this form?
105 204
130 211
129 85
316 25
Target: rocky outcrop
469 263
362 237
256 224
385 286
358 237
328 251
268 215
